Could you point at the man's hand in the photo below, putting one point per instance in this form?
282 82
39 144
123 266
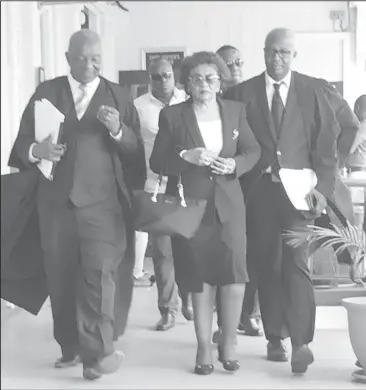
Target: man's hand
48 151
199 156
223 166
316 201
109 116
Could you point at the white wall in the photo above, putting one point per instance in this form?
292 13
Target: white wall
199 25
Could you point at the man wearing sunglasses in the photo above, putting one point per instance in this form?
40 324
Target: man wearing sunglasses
296 128
162 93
233 59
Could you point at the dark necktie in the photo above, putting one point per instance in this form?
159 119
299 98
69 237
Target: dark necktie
277 109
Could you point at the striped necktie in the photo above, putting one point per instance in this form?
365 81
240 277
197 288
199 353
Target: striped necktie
81 103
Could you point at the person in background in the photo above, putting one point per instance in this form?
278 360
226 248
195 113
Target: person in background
207 141
84 212
233 59
250 321
296 128
163 93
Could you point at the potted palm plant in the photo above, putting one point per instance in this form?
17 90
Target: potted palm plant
349 238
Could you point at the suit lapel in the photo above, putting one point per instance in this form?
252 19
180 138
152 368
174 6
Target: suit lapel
263 102
65 100
227 130
190 122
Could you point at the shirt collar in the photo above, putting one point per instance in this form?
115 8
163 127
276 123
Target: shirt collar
76 84
175 95
286 80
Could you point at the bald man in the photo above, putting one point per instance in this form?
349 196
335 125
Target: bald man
296 128
84 213
162 93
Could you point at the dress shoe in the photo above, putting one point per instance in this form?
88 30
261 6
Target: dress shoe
229 365
67 362
187 312
109 364
301 358
203 369
250 326
167 321
276 352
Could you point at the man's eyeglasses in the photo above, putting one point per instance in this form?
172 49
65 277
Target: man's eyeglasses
238 62
161 76
201 80
283 53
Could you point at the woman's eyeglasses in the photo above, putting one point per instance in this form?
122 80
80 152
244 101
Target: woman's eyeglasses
161 76
238 62
201 80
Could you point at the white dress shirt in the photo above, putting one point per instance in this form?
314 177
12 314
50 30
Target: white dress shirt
284 88
76 91
211 133
148 108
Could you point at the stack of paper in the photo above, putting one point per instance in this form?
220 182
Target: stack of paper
298 183
47 122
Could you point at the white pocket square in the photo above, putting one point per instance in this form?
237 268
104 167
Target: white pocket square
235 134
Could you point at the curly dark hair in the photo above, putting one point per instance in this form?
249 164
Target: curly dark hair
203 58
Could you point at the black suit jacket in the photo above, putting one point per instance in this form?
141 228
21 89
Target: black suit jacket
306 109
22 278
178 130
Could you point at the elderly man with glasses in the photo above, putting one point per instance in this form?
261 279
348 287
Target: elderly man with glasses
162 93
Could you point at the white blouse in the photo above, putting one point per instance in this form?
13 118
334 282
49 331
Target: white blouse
211 132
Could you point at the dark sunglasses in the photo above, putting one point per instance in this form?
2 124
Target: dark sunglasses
161 76
238 62
200 80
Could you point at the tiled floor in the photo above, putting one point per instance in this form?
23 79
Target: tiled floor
162 360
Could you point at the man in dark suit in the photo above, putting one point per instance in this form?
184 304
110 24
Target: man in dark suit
84 213
296 128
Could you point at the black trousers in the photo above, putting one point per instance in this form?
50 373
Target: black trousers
83 249
286 293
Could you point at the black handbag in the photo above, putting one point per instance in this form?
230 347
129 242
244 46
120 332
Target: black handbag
167 215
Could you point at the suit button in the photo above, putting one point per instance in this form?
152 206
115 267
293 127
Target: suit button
279 153
210 177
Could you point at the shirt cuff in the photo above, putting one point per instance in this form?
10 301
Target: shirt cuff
31 158
118 137
182 152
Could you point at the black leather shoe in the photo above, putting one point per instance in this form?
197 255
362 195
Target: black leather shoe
187 312
203 369
167 321
276 352
301 358
67 362
229 365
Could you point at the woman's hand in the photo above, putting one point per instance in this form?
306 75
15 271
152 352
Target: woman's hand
199 156
223 166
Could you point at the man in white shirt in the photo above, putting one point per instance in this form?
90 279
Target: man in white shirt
83 212
162 93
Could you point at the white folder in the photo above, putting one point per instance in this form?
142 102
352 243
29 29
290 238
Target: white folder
298 183
47 121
